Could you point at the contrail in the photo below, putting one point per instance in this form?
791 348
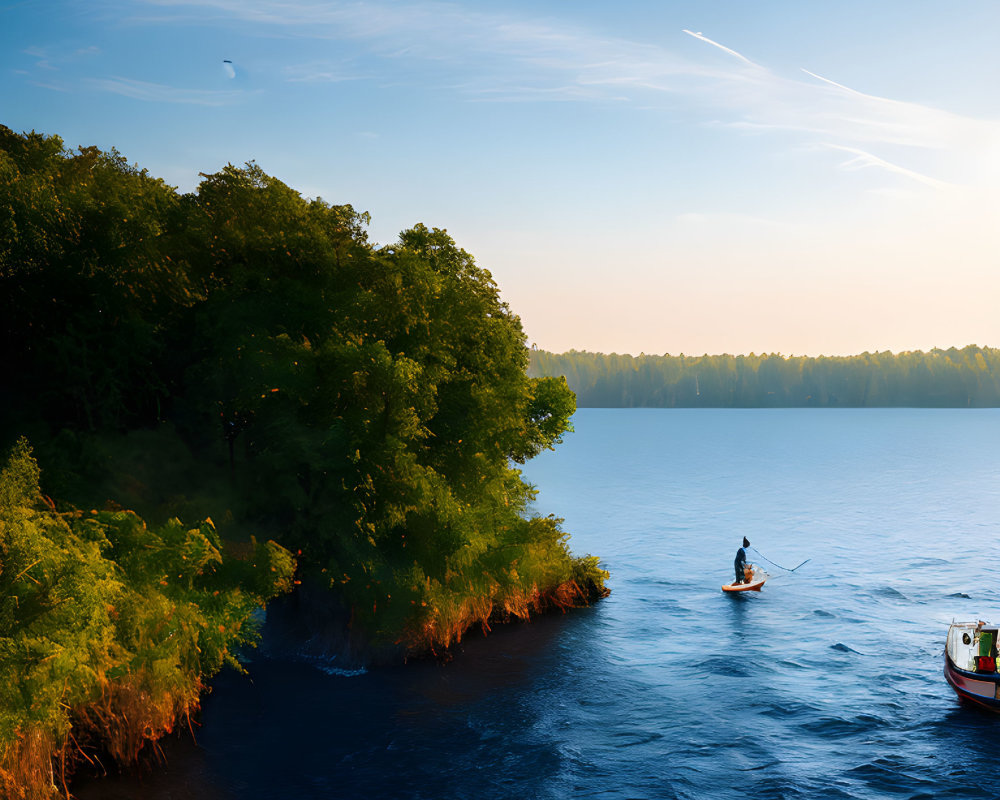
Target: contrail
838 85
720 46
863 158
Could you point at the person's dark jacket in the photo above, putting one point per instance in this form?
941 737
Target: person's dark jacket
740 563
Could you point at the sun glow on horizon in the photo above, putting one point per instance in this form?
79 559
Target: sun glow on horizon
666 179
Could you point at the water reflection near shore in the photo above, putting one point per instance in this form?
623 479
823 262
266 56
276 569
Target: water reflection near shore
827 684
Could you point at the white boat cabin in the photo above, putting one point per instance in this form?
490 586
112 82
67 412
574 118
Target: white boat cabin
972 646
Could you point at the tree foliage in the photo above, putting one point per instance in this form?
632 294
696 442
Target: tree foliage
369 403
109 629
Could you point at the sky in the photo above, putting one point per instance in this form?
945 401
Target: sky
658 176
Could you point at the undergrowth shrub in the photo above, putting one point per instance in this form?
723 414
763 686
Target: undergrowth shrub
109 629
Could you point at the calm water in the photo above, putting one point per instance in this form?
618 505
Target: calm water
828 684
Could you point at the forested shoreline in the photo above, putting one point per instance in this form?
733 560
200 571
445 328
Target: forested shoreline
953 378
245 360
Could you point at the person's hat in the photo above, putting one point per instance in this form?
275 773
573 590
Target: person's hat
746 542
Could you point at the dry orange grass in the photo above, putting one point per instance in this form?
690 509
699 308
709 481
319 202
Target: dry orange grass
120 724
445 627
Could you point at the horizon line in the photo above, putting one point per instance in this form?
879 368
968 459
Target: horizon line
573 351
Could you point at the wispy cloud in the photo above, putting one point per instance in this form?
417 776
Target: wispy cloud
507 57
493 47
158 93
52 87
52 59
320 72
41 56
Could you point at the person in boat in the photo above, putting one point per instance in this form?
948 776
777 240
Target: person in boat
741 562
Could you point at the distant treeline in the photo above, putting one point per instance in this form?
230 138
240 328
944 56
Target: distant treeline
966 378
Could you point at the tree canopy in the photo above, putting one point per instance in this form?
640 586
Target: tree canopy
367 404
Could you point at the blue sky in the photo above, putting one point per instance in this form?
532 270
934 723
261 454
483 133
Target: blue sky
733 176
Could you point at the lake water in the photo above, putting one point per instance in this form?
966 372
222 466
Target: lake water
827 684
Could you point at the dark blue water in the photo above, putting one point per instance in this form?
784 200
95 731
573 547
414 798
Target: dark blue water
826 685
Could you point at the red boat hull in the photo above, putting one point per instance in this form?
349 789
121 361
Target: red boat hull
983 689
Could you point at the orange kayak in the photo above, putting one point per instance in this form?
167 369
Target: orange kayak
752 586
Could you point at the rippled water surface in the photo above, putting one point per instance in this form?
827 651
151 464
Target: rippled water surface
827 684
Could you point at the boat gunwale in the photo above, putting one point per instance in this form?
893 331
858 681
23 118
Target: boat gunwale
992 703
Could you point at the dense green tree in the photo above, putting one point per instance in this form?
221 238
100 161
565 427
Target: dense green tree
368 404
87 281
109 629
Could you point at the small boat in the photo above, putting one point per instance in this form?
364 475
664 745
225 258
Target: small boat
970 663
753 581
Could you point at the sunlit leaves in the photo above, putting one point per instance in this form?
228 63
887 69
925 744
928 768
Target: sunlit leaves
93 603
368 402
